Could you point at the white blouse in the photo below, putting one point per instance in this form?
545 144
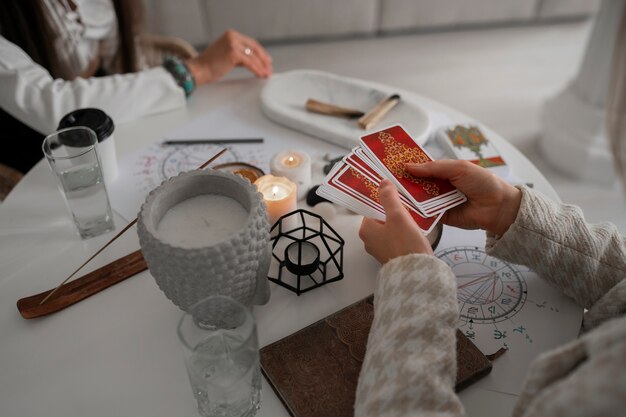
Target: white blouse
84 34
30 94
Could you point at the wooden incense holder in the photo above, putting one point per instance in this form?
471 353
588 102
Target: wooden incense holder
332 110
83 287
382 108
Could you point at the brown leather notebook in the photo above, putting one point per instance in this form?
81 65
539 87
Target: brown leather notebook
315 370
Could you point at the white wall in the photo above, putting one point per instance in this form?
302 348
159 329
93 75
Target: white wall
200 21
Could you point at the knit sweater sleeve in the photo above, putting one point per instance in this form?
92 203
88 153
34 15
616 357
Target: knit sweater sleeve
410 362
584 260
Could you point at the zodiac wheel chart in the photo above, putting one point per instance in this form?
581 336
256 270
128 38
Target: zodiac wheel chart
489 290
505 305
160 162
186 158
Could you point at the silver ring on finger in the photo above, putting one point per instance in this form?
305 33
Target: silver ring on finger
247 51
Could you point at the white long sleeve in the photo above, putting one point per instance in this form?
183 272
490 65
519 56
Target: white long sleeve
31 95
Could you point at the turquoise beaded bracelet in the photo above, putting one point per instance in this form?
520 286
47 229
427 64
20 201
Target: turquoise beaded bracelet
179 70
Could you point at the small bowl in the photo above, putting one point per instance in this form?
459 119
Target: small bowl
247 171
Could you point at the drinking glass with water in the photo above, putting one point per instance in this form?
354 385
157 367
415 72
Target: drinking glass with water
221 354
73 157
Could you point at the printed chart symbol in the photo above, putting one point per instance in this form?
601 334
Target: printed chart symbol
489 290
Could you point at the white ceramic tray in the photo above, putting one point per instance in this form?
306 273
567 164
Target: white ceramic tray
284 96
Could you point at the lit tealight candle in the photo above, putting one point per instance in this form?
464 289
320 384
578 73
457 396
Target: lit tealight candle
201 221
279 195
291 161
294 165
302 258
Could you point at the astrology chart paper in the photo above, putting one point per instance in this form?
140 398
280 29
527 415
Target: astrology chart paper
145 169
505 305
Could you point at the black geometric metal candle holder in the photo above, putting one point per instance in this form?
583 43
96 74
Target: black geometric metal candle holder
306 252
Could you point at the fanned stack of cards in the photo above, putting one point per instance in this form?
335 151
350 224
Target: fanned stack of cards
353 182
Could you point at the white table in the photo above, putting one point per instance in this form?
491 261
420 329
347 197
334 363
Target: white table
116 353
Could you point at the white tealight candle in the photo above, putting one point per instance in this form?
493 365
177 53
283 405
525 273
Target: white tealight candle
306 252
279 195
294 165
201 221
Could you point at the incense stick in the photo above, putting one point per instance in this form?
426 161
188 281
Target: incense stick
128 226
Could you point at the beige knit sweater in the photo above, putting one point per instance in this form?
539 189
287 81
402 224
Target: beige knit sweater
409 366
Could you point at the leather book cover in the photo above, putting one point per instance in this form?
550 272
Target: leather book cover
315 370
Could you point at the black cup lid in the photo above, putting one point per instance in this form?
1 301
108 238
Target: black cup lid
95 119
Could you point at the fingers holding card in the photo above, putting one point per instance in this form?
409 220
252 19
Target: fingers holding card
354 182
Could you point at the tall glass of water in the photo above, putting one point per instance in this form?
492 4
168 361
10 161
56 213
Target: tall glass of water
73 157
221 353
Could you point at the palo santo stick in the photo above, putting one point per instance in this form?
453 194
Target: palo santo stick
128 226
373 116
332 110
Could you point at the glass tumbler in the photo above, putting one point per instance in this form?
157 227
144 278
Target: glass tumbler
221 353
73 158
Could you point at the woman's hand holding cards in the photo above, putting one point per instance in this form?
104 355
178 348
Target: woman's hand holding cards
492 204
399 235
372 180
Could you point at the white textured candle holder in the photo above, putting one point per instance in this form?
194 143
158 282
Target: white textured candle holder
236 267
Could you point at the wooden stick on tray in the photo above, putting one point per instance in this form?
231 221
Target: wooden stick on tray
332 110
378 112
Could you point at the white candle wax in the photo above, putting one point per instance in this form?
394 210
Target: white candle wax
307 253
279 195
294 165
202 221
302 258
291 161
